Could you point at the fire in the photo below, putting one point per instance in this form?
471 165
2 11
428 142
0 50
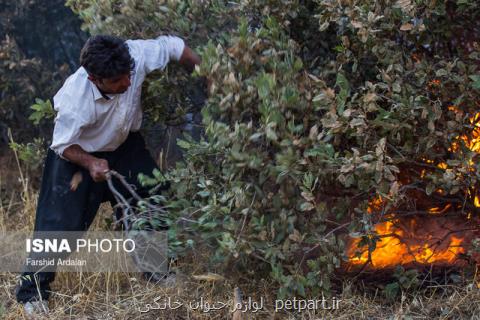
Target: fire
476 201
375 204
471 141
424 239
405 243
438 210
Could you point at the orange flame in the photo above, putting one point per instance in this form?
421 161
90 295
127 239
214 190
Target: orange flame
402 241
393 249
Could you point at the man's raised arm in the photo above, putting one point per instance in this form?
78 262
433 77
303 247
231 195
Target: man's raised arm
153 54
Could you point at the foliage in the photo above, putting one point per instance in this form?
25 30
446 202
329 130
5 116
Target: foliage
31 153
315 108
42 110
405 280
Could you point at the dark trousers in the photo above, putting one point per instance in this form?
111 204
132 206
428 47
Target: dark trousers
61 209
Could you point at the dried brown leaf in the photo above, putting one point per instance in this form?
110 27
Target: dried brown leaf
406 27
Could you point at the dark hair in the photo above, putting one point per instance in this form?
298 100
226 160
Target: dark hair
106 57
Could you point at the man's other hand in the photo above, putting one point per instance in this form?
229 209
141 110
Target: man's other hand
189 59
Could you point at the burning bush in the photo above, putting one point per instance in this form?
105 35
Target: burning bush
324 119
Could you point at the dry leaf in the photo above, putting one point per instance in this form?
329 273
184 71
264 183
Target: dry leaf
308 196
295 236
406 5
209 277
406 27
394 188
357 24
370 97
330 93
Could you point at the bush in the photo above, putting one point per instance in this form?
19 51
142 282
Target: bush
315 108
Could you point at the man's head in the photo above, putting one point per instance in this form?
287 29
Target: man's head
108 63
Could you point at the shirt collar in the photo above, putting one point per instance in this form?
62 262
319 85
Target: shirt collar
97 94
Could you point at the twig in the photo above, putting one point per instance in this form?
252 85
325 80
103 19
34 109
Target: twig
244 220
130 189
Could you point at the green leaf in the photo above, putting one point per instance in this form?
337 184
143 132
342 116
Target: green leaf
307 206
344 93
203 193
271 134
391 290
476 81
183 144
43 110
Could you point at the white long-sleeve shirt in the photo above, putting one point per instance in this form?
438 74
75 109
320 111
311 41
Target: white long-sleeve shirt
85 117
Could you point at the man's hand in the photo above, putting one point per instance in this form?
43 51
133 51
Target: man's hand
96 166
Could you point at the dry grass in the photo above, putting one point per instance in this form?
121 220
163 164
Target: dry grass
122 296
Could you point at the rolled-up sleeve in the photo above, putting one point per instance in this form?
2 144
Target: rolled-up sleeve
68 127
157 53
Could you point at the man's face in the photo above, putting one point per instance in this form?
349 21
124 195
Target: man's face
113 85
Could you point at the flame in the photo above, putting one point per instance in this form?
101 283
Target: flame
438 210
476 202
376 204
434 83
409 240
453 108
418 240
471 141
416 57
393 248
442 165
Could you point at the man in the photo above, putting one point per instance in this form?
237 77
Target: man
96 129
